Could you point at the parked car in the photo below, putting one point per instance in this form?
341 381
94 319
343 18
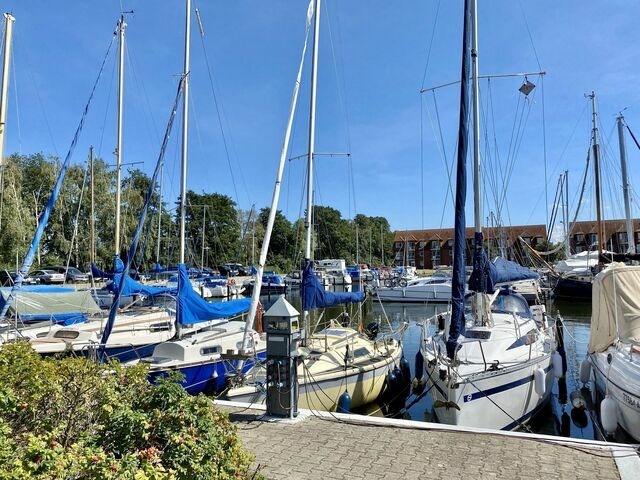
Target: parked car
72 274
48 276
7 279
75 275
232 269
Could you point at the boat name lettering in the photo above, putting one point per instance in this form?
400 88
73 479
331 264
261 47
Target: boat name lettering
631 401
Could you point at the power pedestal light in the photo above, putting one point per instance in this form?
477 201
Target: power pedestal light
283 339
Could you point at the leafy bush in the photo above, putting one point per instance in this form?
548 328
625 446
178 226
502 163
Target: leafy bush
75 419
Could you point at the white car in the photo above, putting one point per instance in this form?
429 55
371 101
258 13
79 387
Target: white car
48 276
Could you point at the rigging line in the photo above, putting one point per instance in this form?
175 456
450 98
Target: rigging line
341 84
220 115
75 223
44 218
635 140
533 46
443 155
149 117
433 32
39 98
544 150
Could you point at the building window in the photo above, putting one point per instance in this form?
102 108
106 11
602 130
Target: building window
579 237
398 245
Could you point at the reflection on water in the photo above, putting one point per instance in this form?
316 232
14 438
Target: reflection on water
557 418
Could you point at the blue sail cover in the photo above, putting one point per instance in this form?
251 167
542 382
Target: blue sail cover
192 308
459 238
133 287
507 271
314 294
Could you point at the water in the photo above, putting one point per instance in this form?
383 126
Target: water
557 418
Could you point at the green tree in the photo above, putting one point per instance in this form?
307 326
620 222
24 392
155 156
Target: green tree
221 227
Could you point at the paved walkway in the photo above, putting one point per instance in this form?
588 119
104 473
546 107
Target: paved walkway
327 446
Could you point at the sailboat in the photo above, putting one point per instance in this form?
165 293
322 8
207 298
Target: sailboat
614 337
613 358
489 362
339 358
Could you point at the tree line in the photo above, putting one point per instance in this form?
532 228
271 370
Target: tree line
82 230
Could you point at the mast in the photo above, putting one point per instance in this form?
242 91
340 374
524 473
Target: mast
118 152
159 216
93 223
312 132
477 189
596 166
264 250
625 184
459 243
8 35
565 214
185 120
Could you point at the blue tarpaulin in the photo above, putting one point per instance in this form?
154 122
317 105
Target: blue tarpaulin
194 309
133 287
314 294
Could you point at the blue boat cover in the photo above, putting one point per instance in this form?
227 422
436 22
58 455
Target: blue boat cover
194 309
133 287
508 271
314 294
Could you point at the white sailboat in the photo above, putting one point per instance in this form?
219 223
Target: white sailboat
339 358
614 341
614 347
489 362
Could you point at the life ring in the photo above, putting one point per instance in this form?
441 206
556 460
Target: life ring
232 282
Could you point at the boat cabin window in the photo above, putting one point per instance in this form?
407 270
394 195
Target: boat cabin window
478 334
508 302
360 352
160 327
211 350
67 334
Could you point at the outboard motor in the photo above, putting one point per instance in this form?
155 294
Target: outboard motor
372 330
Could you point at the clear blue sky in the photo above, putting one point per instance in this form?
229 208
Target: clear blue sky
375 56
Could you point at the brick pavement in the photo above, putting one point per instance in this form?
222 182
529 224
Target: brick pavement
324 446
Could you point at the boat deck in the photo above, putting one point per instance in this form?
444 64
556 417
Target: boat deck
323 446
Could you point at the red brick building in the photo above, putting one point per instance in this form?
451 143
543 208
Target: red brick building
428 249
584 236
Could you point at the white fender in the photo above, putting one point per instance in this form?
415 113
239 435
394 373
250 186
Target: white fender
540 381
585 371
556 363
609 415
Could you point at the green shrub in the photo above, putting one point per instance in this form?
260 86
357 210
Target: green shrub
75 419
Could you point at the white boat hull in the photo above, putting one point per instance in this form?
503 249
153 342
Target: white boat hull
502 399
620 379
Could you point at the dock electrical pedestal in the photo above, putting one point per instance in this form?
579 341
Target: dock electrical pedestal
283 339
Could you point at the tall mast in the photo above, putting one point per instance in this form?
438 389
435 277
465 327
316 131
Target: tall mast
93 220
312 132
264 250
625 185
8 35
185 120
565 214
118 152
159 217
596 166
477 191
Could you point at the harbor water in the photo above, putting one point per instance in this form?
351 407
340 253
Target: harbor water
557 418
